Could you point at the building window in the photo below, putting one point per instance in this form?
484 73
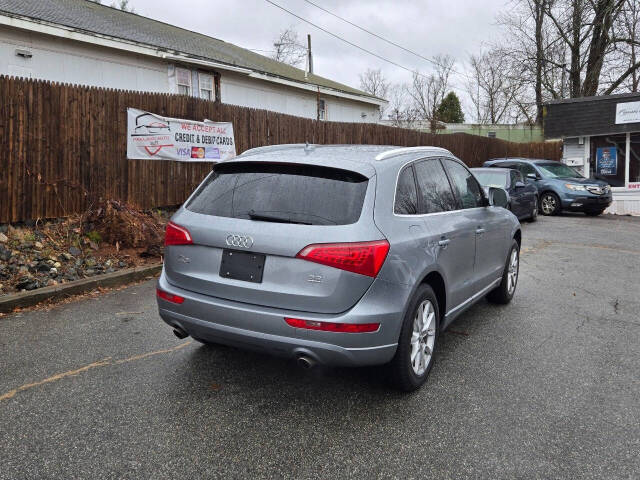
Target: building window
608 155
183 79
206 86
322 109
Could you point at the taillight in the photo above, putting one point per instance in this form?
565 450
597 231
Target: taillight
332 326
177 235
169 297
365 258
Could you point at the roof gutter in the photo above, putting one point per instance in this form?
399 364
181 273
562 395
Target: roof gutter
70 33
315 88
205 63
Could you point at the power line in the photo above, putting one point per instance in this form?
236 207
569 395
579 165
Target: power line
343 39
390 42
415 72
376 35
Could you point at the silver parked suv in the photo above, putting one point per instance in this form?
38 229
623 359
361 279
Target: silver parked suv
342 255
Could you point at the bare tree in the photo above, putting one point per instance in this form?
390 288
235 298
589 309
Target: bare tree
289 49
399 110
427 91
627 40
120 4
123 5
537 8
495 91
589 30
374 83
573 48
584 27
528 46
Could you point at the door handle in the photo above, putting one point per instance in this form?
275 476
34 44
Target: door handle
479 231
443 242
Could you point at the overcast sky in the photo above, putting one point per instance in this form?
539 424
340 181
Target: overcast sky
429 27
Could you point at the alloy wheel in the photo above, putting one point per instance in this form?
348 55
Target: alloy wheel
423 337
548 204
512 273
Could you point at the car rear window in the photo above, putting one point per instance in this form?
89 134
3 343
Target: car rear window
283 193
491 179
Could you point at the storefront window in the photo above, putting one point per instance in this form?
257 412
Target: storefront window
634 162
608 154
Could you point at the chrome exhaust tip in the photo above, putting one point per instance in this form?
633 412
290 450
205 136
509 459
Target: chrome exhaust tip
306 362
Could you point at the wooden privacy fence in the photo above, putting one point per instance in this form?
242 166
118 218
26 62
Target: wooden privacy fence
63 146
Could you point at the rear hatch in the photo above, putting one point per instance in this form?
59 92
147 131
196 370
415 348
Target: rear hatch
249 220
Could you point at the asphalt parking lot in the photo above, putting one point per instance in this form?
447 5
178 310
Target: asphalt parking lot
546 387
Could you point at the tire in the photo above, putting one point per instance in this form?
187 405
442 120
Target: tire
504 292
549 204
534 213
593 213
417 339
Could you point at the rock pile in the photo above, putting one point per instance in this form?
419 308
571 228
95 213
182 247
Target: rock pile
65 250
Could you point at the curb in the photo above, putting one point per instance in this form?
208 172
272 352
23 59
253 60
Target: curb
27 299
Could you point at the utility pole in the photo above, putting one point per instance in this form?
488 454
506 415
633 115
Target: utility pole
309 56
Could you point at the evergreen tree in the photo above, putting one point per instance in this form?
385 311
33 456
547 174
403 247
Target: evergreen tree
449 110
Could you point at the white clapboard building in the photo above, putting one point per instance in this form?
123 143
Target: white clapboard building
85 43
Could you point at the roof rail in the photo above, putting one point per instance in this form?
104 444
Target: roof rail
405 150
274 148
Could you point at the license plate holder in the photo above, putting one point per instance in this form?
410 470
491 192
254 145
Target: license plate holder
239 265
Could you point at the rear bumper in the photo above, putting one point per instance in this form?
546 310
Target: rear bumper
583 203
264 329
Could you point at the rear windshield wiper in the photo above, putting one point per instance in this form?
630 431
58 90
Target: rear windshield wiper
268 217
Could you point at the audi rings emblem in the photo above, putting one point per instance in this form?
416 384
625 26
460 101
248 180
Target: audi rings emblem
243 241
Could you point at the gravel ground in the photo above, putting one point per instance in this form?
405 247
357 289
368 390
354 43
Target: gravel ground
546 387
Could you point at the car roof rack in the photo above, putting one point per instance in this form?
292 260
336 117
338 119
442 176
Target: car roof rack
275 148
405 150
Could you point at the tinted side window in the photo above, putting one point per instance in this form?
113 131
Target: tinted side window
519 177
515 177
406 202
525 168
465 185
435 191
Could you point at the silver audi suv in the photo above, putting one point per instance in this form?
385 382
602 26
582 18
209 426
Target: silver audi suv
339 255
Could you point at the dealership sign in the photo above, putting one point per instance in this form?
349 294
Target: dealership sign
152 137
628 112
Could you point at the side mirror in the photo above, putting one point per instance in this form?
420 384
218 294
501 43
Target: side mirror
532 176
498 197
519 185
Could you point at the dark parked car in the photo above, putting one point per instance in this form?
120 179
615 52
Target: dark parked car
560 187
523 196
